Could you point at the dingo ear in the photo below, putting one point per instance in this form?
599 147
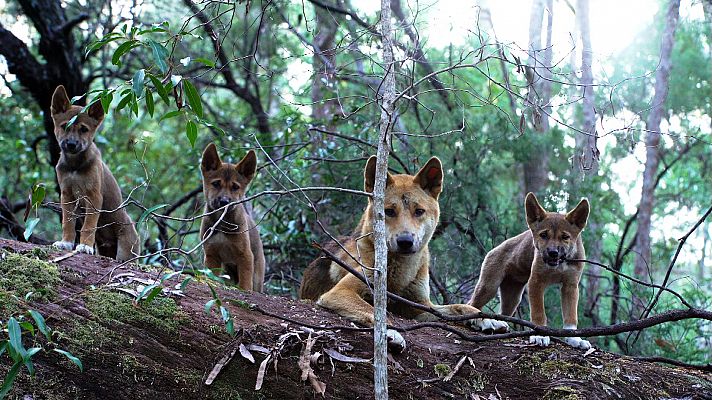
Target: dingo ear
533 209
369 175
430 177
248 165
579 215
211 159
60 100
96 111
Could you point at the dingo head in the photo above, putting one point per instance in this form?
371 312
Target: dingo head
555 235
224 183
78 136
411 206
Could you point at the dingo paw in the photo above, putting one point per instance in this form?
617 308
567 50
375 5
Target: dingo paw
539 340
82 248
487 325
396 343
578 343
63 245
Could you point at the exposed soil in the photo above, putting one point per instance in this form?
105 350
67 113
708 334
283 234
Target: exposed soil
166 349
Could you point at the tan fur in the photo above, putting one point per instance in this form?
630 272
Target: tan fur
526 259
88 189
412 212
234 243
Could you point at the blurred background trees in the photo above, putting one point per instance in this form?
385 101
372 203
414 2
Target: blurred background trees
297 81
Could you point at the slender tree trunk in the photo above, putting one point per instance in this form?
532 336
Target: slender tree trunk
536 168
586 157
486 23
652 142
380 345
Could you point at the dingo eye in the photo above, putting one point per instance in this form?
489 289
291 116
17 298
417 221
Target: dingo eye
83 129
216 184
235 186
419 212
544 235
390 212
565 237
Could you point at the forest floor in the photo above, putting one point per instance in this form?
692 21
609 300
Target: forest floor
167 348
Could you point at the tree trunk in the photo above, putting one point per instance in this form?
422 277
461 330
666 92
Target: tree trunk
586 156
62 60
167 348
380 300
536 168
652 143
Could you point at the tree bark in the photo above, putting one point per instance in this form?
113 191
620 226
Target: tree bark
62 60
652 142
536 168
380 299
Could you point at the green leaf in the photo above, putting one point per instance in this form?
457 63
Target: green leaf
160 89
191 130
71 358
138 82
209 305
209 63
30 226
28 327
41 325
38 194
153 294
148 212
168 276
160 54
225 313
15 333
193 98
150 106
106 100
169 114
185 283
145 291
123 49
124 101
134 104
9 379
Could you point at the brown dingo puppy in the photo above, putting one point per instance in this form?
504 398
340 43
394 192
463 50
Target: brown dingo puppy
234 243
88 189
538 257
412 213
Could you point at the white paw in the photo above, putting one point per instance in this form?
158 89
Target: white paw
63 245
82 248
578 343
539 340
489 325
395 341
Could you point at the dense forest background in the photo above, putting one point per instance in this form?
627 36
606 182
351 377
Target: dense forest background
298 82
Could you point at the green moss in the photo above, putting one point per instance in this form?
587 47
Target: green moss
241 303
20 275
540 363
88 337
562 393
442 370
162 314
40 252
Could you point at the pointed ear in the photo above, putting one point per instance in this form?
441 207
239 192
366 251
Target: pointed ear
579 215
534 211
211 159
60 100
248 165
369 175
96 111
430 177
